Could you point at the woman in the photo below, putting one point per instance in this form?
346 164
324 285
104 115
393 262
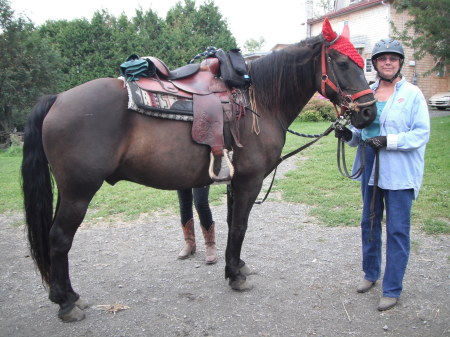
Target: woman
200 198
399 133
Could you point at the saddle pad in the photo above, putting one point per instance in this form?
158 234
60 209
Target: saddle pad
158 104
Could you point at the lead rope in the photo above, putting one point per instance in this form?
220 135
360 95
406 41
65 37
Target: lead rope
341 158
278 162
374 193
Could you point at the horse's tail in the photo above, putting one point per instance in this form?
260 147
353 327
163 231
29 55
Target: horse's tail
37 188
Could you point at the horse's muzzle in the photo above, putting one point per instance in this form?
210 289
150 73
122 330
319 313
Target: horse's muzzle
364 117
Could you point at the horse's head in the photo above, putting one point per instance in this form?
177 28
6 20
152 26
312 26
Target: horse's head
342 78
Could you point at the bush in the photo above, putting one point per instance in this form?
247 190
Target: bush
318 110
13 146
310 116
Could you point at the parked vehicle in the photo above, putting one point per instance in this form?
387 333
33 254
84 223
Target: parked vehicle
440 100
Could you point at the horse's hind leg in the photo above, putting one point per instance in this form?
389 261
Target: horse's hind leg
69 215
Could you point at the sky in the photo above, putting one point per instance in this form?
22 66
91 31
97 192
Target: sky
278 21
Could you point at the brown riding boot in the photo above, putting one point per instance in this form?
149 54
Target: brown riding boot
210 243
189 238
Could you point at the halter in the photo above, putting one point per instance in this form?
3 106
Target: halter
346 101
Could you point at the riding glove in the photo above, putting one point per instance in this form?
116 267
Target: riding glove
342 132
377 142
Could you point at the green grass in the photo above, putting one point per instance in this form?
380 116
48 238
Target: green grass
10 193
337 200
316 182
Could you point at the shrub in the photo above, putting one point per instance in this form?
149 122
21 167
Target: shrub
317 110
310 116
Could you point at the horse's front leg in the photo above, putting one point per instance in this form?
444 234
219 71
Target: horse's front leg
68 218
241 197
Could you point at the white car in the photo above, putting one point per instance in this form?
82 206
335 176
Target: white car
440 100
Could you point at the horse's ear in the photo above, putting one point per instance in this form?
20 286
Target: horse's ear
346 32
328 33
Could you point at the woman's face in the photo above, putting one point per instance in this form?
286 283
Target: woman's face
388 65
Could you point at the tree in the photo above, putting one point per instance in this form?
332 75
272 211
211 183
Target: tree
253 45
322 7
428 30
29 67
189 31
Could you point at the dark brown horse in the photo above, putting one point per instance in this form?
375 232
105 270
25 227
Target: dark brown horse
86 136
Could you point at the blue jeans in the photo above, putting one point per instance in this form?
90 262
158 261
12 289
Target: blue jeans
398 205
199 196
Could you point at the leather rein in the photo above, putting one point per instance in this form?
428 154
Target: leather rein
347 104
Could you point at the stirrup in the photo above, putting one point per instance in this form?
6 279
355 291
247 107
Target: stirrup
226 172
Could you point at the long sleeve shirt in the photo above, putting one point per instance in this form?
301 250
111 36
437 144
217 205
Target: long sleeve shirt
406 123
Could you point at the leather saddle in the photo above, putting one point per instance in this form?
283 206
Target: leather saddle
197 89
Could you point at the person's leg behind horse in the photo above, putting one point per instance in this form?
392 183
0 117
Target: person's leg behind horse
207 224
185 199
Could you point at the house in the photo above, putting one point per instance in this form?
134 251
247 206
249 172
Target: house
369 22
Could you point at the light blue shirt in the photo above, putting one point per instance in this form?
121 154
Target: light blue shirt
406 123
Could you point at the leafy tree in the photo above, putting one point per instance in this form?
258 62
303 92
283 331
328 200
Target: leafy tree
149 40
29 67
322 7
253 45
87 48
189 31
61 54
428 31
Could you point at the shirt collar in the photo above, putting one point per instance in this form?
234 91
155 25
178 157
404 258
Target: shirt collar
375 85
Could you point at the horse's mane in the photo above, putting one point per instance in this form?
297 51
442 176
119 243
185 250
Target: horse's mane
281 78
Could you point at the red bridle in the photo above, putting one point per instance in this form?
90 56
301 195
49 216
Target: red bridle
347 102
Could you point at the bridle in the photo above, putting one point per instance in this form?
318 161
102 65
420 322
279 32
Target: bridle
347 102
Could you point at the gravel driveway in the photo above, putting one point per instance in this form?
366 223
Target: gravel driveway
304 282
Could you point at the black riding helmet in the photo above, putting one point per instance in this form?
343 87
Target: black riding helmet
388 46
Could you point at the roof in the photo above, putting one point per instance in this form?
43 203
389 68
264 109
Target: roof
349 9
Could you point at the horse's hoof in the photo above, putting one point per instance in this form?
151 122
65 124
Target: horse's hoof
241 285
245 270
74 315
82 304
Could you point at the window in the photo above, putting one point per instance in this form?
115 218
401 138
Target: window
368 66
440 69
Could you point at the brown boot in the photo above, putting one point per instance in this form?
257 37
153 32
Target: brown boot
189 238
210 243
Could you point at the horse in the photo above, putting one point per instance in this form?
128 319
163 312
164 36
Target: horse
85 136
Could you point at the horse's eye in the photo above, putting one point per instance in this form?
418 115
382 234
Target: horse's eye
342 64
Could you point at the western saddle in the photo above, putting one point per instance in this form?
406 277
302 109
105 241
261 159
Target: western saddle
195 89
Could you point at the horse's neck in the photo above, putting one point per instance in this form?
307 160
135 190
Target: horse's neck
285 81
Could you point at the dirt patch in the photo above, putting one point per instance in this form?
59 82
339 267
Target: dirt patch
304 282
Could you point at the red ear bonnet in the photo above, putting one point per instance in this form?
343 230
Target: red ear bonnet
328 33
346 32
343 44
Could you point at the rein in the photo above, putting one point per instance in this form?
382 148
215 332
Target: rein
290 154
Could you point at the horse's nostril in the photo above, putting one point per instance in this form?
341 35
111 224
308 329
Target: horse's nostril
367 113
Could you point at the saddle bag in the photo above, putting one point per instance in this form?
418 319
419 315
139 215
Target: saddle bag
233 69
